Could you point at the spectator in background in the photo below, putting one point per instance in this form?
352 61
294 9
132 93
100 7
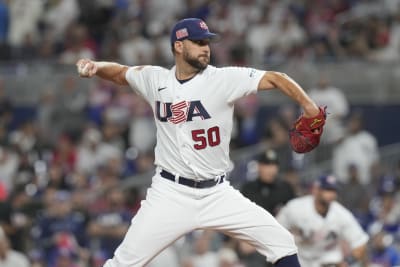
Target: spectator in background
359 147
385 207
324 94
58 231
219 20
135 49
93 152
66 259
10 257
291 36
105 178
4 21
113 135
109 224
21 209
6 107
78 44
9 162
246 110
164 11
384 49
45 116
25 138
268 191
65 153
138 162
120 110
243 13
5 52
359 29
357 201
383 252
27 50
58 15
276 137
260 37
57 177
161 53
100 95
24 18
70 104
97 16
198 9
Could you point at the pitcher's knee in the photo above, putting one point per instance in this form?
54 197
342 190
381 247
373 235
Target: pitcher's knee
289 237
282 245
292 248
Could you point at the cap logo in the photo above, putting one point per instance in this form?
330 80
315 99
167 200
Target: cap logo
203 25
182 33
331 179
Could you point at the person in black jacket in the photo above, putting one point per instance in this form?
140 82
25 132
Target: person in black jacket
268 190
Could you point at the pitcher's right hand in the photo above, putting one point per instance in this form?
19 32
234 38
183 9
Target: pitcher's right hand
86 68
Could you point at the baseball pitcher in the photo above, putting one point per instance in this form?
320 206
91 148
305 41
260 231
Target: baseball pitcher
193 109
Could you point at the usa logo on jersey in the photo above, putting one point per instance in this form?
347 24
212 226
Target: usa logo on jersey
181 111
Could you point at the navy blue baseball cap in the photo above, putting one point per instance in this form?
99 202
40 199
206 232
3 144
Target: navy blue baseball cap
327 182
192 29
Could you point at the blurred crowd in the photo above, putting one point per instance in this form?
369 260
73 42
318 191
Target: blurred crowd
137 31
61 203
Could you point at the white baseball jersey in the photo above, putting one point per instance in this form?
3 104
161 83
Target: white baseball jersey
194 122
318 237
194 118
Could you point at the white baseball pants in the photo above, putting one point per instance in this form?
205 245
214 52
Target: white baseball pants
171 210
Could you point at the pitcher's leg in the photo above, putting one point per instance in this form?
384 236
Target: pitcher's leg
163 217
229 211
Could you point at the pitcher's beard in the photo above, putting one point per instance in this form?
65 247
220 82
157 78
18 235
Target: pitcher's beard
196 63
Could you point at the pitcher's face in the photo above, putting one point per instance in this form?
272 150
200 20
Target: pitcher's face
197 53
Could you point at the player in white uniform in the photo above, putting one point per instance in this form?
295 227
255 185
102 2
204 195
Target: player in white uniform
320 225
193 109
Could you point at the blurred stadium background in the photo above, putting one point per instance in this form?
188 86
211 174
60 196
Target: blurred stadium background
76 155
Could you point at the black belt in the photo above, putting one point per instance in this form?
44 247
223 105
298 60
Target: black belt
191 182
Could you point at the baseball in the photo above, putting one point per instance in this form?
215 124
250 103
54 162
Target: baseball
84 69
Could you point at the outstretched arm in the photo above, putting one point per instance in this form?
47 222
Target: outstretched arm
106 70
287 85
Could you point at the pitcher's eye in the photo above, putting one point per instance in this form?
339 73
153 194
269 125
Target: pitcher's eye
201 42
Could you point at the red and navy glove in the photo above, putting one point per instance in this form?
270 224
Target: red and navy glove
306 132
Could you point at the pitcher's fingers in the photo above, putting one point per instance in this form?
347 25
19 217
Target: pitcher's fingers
92 69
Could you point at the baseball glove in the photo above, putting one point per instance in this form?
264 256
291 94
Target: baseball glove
306 132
